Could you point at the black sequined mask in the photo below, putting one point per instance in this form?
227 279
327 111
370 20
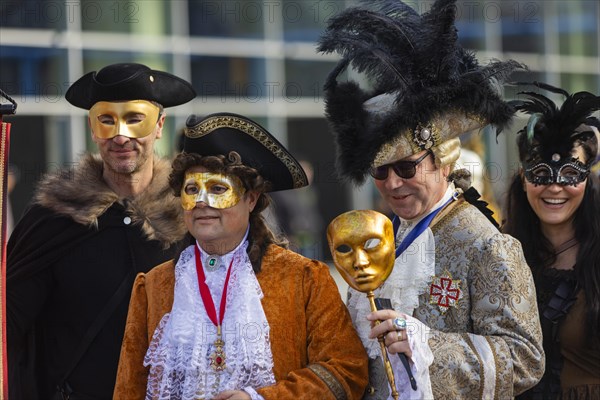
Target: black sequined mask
569 171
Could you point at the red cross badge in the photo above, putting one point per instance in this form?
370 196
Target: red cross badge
444 291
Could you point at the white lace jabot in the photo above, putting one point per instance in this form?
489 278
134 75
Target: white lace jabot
411 276
179 352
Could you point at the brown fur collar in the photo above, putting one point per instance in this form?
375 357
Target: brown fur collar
81 194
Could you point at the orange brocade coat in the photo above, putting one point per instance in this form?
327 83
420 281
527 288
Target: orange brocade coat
316 352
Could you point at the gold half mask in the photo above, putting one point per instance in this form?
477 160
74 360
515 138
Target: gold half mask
363 249
216 190
134 119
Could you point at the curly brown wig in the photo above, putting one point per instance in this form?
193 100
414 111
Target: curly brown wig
260 235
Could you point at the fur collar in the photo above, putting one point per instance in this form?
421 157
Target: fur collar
80 193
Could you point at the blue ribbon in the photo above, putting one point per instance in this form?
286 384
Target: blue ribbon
419 228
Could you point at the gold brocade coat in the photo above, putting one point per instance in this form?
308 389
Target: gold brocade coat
316 352
489 344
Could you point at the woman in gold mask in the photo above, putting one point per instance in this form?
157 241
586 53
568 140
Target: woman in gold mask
236 315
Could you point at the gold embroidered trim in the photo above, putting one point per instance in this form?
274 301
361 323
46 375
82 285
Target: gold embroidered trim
3 150
442 127
400 146
481 368
210 124
496 386
448 213
330 380
4 133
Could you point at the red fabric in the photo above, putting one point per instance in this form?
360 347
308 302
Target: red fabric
207 300
308 321
4 147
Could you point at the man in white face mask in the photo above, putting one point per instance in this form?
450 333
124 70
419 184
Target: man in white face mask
73 256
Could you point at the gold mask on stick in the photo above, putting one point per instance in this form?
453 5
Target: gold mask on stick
363 249
362 246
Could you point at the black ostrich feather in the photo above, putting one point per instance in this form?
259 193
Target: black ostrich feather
367 39
552 129
402 43
416 58
440 39
495 70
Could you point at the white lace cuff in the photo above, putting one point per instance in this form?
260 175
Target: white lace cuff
422 358
253 393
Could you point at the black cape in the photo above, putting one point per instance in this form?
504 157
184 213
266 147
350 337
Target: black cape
61 273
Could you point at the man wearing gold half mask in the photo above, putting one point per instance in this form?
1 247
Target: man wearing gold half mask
73 257
237 315
462 288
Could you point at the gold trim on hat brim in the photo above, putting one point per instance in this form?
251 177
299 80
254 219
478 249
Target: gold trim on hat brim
443 127
211 124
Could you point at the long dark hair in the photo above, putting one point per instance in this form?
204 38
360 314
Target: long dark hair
553 131
523 223
260 235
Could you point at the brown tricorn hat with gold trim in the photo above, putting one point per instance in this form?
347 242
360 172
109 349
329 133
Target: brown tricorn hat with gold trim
222 133
426 88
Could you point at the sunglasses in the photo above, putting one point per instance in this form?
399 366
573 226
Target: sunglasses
404 169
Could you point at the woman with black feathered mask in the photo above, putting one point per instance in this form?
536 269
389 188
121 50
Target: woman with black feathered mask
553 210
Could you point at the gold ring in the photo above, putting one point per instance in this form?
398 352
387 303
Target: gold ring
399 336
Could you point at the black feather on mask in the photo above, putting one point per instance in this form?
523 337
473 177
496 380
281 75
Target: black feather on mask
419 73
553 132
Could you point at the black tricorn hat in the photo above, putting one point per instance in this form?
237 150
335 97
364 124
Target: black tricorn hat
222 133
129 81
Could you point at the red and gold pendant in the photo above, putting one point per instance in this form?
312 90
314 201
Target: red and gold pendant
217 358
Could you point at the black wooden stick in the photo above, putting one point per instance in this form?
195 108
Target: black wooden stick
386 304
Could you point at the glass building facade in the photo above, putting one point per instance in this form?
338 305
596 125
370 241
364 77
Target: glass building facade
255 58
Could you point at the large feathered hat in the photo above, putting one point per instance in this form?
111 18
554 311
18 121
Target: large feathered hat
427 89
552 132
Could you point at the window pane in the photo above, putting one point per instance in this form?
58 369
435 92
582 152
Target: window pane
523 26
306 78
305 20
241 78
34 14
147 16
94 60
227 18
33 71
580 82
578 28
